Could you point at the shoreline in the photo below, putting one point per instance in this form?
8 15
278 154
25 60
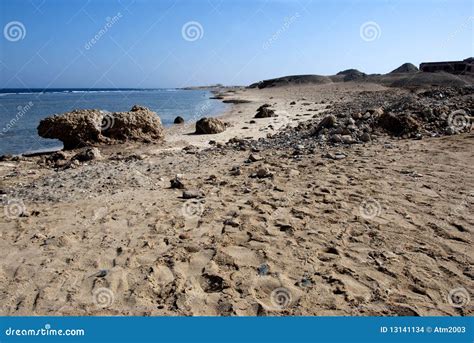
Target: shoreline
318 220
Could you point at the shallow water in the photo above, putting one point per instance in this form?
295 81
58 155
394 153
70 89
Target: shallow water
21 111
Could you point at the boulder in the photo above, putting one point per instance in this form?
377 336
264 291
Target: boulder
140 124
265 112
178 120
81 128
206 126
327 122
398 124
75 129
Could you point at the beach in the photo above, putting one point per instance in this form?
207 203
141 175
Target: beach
258 225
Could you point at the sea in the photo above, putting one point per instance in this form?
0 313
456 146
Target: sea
21 110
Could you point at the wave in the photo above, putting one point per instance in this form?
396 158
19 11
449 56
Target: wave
13 91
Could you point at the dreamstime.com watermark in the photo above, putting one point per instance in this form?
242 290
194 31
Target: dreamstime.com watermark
370 31
22 110
103 297
110 21
464 204
281 298
14 31
459 121
14 208
192 31
370 208
46 331
287 22
464 26
192 208
459 297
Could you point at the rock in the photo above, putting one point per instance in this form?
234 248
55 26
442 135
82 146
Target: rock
81 128
336 138
263 269
178 120
398 124
207 126
75 129
232 222
255 158
350 122
177 183
376 112
140 124
327 122
264 112
87 154
58 158
137 108
347 139
339 156
293 103
192 194
336 156
263 173
235 171
365 137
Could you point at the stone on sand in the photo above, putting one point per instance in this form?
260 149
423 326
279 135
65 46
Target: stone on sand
207 126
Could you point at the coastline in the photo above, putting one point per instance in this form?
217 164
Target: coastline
251 216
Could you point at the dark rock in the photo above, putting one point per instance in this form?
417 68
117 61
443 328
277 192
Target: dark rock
365 137
398 124
177 183
265 112
178 120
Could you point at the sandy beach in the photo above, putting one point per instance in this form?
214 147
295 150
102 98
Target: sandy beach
264 228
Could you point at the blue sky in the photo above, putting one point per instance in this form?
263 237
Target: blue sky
238 42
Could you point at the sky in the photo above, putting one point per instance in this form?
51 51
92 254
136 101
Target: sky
178 43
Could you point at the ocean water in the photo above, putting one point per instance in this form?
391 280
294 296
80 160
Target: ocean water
21 111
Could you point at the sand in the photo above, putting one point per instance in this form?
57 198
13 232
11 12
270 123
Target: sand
385 231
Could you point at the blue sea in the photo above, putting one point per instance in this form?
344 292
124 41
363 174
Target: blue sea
22 110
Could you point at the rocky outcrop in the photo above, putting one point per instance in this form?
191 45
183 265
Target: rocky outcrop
81 128
207 126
